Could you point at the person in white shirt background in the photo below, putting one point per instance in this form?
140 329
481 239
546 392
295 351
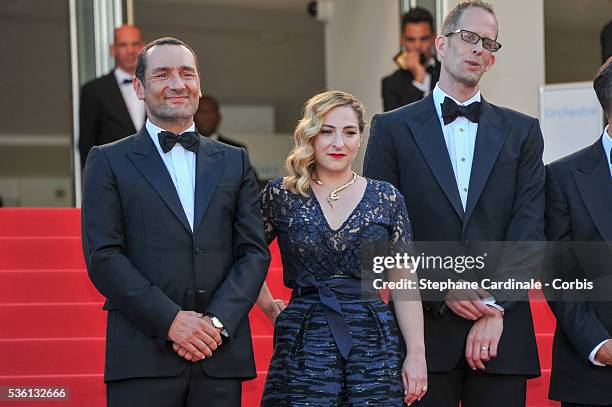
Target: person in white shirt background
109 109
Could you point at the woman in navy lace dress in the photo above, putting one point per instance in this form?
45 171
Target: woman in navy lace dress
337 343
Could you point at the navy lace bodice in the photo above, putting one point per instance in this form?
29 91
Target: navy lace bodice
307 242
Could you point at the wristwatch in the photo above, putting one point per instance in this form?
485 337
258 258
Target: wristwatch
218 324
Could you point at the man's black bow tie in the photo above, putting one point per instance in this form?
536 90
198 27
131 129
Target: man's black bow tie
451 110
189 140
126 81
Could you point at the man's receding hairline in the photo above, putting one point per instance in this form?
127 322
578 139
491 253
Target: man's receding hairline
459 22
195 66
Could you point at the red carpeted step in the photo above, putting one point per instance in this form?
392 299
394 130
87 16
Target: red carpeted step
545 342
276 261
260 324
39 320
40 222
262 346
543 319
253 389
44 264
35 286
83 390
41 253
537 391
51 356
90 390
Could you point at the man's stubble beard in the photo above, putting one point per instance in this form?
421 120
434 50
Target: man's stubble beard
168 114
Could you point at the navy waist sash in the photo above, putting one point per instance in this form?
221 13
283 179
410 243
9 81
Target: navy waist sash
331 293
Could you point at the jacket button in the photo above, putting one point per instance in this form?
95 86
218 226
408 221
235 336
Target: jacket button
189 292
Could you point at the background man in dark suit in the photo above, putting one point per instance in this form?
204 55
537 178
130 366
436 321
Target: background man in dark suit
109 108
208 118
419 69
470 171
173 238
579 209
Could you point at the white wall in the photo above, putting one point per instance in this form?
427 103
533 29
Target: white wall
518 73
361 38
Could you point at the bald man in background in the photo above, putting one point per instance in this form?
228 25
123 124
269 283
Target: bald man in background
109 108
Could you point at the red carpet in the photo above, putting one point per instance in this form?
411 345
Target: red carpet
53 325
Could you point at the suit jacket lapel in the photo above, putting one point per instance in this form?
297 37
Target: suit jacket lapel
209 168
490 137
592 178
146 159
428 135
118 100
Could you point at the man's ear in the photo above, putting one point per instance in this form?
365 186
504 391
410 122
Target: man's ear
490 63
441 44
111 50
138 88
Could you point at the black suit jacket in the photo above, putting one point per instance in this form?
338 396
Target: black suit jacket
505 203
230 142
398 90
579 209
142 256
103 114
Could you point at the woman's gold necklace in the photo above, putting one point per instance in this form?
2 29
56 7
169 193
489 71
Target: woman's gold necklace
333 195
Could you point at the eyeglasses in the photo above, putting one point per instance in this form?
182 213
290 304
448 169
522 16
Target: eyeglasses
473 38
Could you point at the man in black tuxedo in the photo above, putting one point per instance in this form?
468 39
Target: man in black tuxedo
579 209
470 172
419 69
173 238
109 108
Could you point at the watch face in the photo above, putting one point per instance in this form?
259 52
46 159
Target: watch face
216 322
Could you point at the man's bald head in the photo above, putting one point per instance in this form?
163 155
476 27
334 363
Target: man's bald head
127 45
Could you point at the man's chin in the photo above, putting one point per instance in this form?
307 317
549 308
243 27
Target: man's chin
176 114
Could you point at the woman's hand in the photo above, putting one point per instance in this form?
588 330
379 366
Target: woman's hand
274 308
414 377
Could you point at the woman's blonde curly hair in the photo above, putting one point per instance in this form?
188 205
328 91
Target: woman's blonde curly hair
300 163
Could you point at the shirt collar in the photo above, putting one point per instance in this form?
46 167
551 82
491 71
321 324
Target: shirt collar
154 131
121 75
439 95
606 139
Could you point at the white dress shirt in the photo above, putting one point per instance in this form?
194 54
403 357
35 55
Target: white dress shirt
460 138
425 86
181 165
134 105
606 140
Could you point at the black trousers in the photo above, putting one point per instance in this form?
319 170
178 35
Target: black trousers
190 389
473 388
582 405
